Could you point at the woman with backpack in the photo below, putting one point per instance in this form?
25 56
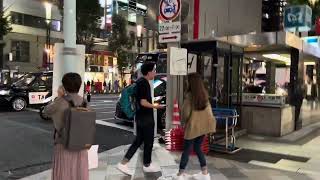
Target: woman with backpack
67 164
198 121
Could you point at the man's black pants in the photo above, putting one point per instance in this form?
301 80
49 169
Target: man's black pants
145 135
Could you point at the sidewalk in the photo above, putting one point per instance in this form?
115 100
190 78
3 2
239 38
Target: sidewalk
220 169
304 143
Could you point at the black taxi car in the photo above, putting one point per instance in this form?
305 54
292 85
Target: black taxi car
32 89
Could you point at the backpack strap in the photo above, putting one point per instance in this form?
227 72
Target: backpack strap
69 100
71 103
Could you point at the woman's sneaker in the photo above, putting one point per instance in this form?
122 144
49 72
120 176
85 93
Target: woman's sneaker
201 176
151 169
182 177
124 169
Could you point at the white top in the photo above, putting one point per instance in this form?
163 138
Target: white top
309 86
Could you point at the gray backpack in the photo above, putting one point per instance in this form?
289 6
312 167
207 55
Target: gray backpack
80 127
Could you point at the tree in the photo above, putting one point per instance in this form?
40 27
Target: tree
315 7
120 42
88 14
4 29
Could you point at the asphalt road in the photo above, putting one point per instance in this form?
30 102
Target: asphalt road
27 141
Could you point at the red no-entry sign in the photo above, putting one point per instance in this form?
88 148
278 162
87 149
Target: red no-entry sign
169 9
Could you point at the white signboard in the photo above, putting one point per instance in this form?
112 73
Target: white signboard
169 27
192 63
178 61
39 97
173 37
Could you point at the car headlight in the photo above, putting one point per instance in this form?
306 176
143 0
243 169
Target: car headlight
4 92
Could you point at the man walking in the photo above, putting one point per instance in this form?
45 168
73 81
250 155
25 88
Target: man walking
145 122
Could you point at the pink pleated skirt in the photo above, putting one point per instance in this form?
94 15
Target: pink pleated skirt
69 165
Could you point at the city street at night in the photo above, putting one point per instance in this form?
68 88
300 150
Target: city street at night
27 140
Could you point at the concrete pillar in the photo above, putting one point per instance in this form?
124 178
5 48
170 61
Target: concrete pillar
296 85
69 57
69 35
271 77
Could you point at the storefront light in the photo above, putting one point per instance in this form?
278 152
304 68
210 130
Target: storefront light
313 2
278 57
309 63
139 30
48 7
4 92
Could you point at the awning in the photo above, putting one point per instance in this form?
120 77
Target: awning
271 41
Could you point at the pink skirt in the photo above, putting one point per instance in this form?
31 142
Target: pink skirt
69 165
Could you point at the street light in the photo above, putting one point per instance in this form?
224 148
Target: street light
313 2
48 7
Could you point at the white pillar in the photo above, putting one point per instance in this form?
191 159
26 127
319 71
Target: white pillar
69 57
69 35
69 23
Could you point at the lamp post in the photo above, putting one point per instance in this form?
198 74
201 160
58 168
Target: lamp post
48 7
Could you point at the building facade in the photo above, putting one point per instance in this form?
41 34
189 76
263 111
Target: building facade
272 15
229 17
25 46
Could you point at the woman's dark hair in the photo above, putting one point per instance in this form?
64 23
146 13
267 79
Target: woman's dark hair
198 92
72 82
147 67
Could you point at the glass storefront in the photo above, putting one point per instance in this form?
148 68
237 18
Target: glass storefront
219 64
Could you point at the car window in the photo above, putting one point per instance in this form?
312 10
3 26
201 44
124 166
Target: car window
159 88
47 80
25 80
38 84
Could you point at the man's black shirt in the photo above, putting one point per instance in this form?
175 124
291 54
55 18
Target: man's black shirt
144 116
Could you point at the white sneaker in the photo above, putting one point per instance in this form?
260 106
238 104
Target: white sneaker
201 176
181 177
156 146
124 169
151 169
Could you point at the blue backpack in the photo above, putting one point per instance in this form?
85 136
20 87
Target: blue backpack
128 100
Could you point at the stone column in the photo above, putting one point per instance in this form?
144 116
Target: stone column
296 88
69 35
271 78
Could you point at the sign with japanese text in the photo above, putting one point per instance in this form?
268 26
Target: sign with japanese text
169 27
169 23
298 18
